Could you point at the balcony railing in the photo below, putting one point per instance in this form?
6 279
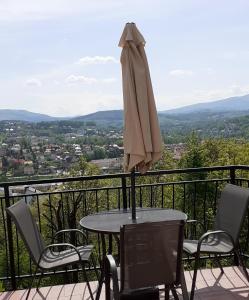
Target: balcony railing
66 200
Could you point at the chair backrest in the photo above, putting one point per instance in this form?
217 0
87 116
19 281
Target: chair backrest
150 254
27 228
231 210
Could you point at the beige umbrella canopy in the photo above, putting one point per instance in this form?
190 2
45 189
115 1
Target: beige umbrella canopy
142 138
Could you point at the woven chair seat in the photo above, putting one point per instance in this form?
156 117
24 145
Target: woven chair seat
54 259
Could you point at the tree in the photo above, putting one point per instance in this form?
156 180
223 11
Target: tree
194 193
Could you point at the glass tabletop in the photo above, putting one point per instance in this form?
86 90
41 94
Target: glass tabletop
111 221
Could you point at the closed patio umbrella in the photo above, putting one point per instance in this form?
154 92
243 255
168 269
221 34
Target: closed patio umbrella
142 138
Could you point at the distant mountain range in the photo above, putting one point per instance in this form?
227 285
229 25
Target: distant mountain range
230 107
240 103
24 115
102 116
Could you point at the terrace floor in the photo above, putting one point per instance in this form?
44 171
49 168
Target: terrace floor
211 285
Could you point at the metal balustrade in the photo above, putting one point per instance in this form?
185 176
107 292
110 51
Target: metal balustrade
194 191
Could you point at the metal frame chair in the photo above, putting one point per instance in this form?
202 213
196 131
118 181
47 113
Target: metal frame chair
224 238
150 255
48 257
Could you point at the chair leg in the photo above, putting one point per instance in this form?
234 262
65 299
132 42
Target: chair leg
173 290
184 286
108 282
217 259
166 293
95 267
87 281
242 263
197 256
39 281
30 286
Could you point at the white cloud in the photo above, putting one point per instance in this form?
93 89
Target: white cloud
72 79
92 60
181 73
33 82
75 79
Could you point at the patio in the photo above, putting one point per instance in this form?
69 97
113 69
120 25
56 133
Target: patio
211 285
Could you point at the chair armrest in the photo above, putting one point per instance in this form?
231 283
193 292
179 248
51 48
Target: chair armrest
66 231
111 268
194 223
51 246
215 232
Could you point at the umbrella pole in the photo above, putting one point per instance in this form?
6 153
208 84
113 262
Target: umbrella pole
133 195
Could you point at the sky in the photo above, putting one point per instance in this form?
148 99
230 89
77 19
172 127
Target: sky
61 57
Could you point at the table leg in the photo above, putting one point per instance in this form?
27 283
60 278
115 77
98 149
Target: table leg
102 275
110 244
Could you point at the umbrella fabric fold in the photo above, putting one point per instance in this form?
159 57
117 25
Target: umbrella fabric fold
142 138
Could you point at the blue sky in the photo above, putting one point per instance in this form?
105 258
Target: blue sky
60 57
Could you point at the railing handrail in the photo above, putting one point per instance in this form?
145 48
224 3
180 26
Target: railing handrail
123 175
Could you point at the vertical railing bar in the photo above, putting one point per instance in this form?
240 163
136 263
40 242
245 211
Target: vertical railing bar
195 192
162 196
5 236
215 197
99 249
97 200
62 210
67 202
17 244
151 196
204 205
232 175
73 197
51 214
124 192
84 203
173 196
10 240
119 196
140 197
184 197
107 199
39 212
129 197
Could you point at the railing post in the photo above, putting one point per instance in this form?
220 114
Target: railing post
232 181
10 240
232 175
124 193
